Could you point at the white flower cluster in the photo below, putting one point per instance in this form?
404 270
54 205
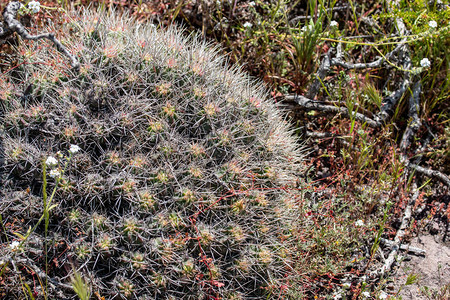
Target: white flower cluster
365 294
334 24
432 24
54 173
14 245
74 149
247 25
34 6
425 62
52 162
307 28
359 223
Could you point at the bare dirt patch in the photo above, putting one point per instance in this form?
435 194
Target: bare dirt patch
433 270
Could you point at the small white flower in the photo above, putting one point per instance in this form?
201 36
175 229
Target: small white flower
365 294
34 6
252 3
334 24
51 161
425 62
247 25
346 285
432 24
74 149
307 28
2 262
383 295
14 245
54 173
359 223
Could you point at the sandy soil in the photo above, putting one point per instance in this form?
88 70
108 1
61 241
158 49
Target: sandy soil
433 270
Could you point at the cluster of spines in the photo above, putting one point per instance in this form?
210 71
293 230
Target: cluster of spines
187 174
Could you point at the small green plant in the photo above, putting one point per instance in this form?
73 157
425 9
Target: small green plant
305 39
80 286
58 167
381 227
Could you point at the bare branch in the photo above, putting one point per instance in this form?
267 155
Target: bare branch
321 135
12 25
399 235
430 173
414 123
389 102
404 247
321 74
413 127
316 105
374 64
328 135
387 107
338 61
53 283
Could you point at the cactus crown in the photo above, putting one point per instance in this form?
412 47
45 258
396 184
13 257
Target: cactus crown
186 182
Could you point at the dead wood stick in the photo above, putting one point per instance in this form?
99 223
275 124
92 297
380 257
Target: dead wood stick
316 105
382 116
338 61
322 135
413 113
388 104
413 126
53 283
407 248
321 74
430 173
12 25
327 135
356 66
399 235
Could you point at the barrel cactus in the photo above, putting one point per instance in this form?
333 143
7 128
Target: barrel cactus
185 185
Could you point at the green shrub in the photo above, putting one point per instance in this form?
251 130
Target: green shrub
186 183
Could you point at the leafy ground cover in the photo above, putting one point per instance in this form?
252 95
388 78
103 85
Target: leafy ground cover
361 177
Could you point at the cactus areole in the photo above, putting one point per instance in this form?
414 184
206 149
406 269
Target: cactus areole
182 182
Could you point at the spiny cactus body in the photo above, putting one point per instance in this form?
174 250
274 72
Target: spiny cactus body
186 184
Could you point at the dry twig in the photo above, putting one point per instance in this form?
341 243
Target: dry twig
407 248
398 237
321 74
11 25
317 105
